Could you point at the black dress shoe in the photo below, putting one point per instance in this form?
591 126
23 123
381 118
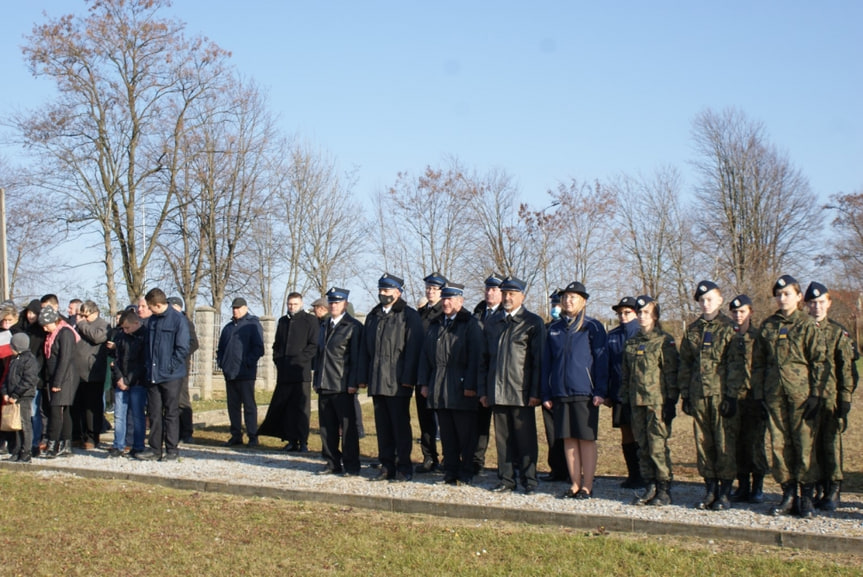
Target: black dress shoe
401 477
382 475
351 473
553 478
291 447
147 455
426 466
232 442
530 490
502 488
329 471
170 456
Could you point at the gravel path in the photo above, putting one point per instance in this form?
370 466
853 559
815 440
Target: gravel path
289 471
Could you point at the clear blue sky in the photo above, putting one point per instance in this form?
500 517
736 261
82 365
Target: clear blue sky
545 90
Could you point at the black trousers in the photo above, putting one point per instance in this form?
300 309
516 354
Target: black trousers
483 430
556 457
60 423
515 435
428 428
163 400
458 441
335 412
242 407
88 411
23 439
395 439
186 418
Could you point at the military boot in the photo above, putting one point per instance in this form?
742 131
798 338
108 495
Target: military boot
789 500
756 493
711 490
832 496
743 491
630 456
649 493
722 502
807 506
663 495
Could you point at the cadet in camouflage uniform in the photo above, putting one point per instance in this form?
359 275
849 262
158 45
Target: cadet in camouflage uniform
790 384
649 387
708 396
840 381
752 429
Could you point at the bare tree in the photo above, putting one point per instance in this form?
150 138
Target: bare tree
126 78
848 226
757 213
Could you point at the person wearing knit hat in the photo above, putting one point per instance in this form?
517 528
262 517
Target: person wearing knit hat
19 387
750 452
61 380
788 378
841 380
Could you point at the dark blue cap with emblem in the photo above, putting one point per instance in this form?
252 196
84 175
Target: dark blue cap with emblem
451 289
336 294
435 279
625 303
389 281
814 291
642 301
554 297
705 287
782 282
512 284
494 280
577 288
740 301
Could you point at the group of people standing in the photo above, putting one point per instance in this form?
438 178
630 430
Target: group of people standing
57 368
794 378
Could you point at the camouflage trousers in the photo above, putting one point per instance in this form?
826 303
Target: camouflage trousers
828 445
715 439
792 440
654 456
751 451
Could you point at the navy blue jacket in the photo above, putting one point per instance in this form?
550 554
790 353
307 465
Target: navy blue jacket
240 346
574 362
168 346
617 338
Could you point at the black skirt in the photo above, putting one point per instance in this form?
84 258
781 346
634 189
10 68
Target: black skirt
575 418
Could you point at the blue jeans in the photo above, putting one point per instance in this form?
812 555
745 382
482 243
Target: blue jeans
132 401
36 419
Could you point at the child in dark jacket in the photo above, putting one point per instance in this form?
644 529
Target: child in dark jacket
20 385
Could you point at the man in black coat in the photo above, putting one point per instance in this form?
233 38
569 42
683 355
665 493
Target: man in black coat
483 311
294 349
336 382
429 313
392 341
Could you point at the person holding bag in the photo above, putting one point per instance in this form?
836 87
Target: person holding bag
18 390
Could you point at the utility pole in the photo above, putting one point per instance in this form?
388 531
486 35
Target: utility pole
4 268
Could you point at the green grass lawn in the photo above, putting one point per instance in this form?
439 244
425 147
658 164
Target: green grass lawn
61 525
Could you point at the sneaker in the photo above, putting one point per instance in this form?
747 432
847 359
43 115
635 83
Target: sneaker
170 456
147 455
114 452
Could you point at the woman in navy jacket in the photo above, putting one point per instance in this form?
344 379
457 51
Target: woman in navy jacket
575 384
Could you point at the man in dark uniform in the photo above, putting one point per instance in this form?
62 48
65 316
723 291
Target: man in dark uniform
429 313
336 382
483 311
392 342
509 380
294 349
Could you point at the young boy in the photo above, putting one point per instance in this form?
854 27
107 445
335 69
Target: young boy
19 387
708 397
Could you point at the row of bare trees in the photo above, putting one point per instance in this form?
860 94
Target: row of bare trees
159 147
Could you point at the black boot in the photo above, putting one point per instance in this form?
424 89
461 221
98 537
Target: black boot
722 501
51 451
24 456
711 489
64 448
756 494
663 495
743 491
832 496
649 493
789 499
633 470
807 506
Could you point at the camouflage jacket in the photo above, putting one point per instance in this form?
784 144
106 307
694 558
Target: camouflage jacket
740 362
649 369
703 358
840 371
791 356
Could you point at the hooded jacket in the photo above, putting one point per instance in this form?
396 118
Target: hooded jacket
22 378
